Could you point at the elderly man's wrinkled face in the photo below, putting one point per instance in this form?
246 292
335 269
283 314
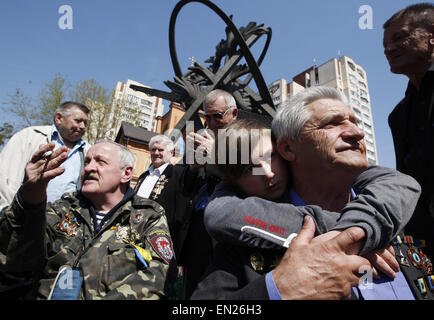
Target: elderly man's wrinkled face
331 139
102 173
218 115
407 47
159 154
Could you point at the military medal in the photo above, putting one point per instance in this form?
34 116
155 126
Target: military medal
430 282
159 186
420 284
122 233
402 259
426 262
397 240
257 261
127 235
69 225
137 218
414 257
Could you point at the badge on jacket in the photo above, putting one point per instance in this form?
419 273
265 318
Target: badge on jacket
162 244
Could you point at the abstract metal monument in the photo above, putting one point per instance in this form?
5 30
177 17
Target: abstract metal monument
190 89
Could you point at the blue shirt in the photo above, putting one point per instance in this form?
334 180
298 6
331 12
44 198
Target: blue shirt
67 181
383 288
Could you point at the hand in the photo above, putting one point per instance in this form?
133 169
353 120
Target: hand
353 249
384 260
40 170
203 148
319 268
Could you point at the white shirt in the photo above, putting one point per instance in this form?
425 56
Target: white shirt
150 180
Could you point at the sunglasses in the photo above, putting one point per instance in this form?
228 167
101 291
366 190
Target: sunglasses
217 115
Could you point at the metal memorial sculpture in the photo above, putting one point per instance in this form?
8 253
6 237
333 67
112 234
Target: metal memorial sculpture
222 72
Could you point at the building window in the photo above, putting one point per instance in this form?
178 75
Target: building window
364 99
146 102
352 66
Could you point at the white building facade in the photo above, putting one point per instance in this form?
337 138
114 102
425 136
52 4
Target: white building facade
140 108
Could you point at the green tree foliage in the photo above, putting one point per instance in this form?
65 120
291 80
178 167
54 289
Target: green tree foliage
6 131
106 110
21 108
50 97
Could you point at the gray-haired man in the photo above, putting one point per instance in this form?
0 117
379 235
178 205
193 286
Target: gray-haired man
317 134
103 242
172 186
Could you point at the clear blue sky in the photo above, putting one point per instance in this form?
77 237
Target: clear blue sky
118 40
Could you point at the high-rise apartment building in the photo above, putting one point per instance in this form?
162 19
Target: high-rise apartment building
139 108
345 75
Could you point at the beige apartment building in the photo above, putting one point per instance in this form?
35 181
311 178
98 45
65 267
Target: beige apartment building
140 108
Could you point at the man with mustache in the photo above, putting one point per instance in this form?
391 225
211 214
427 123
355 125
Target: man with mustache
70 120
103 242
409 48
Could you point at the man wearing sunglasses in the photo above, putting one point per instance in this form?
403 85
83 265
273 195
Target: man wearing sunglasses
220 109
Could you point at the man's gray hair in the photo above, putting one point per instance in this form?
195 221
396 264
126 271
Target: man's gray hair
421 15
65 108
161 138
126 157
294 113
213 96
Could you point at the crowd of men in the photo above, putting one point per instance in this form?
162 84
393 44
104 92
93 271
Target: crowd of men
312 225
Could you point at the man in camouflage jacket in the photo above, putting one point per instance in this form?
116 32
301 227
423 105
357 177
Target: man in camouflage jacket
119 242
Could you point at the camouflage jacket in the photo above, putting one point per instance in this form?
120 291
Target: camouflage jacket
108 260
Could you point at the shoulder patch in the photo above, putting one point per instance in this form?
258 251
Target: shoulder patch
162 244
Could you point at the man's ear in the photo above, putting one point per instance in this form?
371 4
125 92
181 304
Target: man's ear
235 113
57 117
127 174
285 150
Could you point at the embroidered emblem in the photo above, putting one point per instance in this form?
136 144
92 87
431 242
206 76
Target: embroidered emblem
163 246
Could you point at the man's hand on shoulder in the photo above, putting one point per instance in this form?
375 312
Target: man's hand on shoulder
324 267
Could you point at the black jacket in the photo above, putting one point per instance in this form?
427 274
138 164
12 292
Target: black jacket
176 199
412 127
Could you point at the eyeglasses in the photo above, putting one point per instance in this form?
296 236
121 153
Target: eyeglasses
217 115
